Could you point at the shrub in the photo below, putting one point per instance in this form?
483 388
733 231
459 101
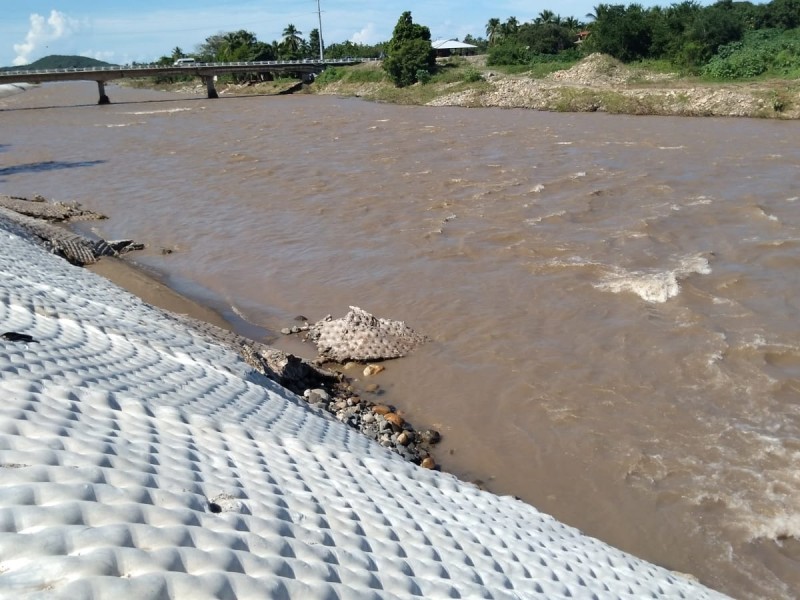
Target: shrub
423 76
762 51
471 75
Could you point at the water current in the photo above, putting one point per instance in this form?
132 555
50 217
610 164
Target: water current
612 301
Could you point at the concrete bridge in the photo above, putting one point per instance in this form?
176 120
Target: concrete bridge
205 71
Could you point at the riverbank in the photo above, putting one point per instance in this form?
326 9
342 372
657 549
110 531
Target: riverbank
321 381
597 84
142 458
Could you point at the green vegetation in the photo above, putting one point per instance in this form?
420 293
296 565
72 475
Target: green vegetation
350 75
410 57
764 52
725 40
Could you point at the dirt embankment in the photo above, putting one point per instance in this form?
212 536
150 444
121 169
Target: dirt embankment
600 83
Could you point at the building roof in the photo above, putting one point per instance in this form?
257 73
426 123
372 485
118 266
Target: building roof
450 45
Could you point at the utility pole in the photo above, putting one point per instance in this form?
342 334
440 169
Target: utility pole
319 15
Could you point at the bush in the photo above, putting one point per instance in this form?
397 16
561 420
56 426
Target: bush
471 75
423 76
508 53
765 51
330 75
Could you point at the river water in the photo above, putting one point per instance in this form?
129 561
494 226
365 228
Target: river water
612 301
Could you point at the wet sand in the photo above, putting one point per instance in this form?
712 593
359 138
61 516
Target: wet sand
147 286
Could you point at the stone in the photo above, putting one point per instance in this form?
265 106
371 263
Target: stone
428 463
381 409
286 331
317 396
403 439
372 388
371 370
395 419
430 436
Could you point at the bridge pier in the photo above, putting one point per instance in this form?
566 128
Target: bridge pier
212 91
101 87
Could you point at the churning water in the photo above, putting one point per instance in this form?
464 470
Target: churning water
612 301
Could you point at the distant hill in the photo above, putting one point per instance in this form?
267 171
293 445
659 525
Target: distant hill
56 61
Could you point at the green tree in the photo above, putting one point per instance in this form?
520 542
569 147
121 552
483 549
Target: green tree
546 16
237 46
546 37
313 44
781 14
714 27
494 31
510 27
409 52
624 33
292 42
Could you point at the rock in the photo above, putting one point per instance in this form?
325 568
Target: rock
381 409
428 463
395 419
371 370
372 388
286 331
430 436
350 365
403 439
317 396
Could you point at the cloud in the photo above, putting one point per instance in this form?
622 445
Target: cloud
56 26
368 35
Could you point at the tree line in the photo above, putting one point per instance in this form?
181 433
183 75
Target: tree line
726 39
244 46
687 35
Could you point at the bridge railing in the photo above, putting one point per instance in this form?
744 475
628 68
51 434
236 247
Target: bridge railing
151 66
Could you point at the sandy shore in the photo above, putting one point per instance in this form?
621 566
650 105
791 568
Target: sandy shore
150 289
143 459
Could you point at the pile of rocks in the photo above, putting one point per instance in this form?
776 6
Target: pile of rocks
360 336
380 422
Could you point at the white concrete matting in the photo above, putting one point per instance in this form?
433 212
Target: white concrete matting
139 460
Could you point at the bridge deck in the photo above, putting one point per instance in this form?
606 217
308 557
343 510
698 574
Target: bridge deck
206 71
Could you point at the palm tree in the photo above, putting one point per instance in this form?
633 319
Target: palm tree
572 24
511 26
598 11
291 38
493 31
237 45
546 16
